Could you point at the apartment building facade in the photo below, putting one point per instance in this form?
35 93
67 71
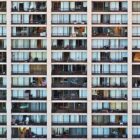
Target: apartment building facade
69 69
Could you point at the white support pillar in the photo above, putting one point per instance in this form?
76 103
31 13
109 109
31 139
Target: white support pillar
49 106
89 75
129 70
8 103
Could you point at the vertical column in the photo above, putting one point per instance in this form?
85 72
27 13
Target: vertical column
129 69
8 103
89 76
49 106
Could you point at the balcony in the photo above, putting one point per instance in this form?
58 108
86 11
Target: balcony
3 19
29 6
3 132
30 19
109 107
135 120
3 44
31 82
136 94
69 108
135 6
110 57
109 69
136 31
112 82
3 94
2 107
69 133
29 107
3 57
69 95
29 57
69 120
109 95
3 31
25 69
3 6
3 82
69 44
74 57
135 69
109 19
3 69
109 6
135 82
109 120
69 31
109 32
29 32
109 44
109 133
69 6
29 132
29 95
69 82
26 44
69 70
3 120
136 57
135 107
29 120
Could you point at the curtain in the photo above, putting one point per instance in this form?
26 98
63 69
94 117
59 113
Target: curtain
25 18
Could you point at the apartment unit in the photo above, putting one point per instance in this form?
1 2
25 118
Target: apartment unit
69 69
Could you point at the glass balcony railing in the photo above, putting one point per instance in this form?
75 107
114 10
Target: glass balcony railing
69 57
29 6
69 31
112 120
109 6
29 95
29 120
69 6
29 107
109 19
69 132
109 82
69 108
69 44
40 82
25 69
69 70
29 132
3 6
109 95
29 57
69 120
69 82
109 32
30 19
109 107
29 32
26 44
69 95
109 133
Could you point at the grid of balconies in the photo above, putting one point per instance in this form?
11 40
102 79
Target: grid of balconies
109 69
29 69
69 50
